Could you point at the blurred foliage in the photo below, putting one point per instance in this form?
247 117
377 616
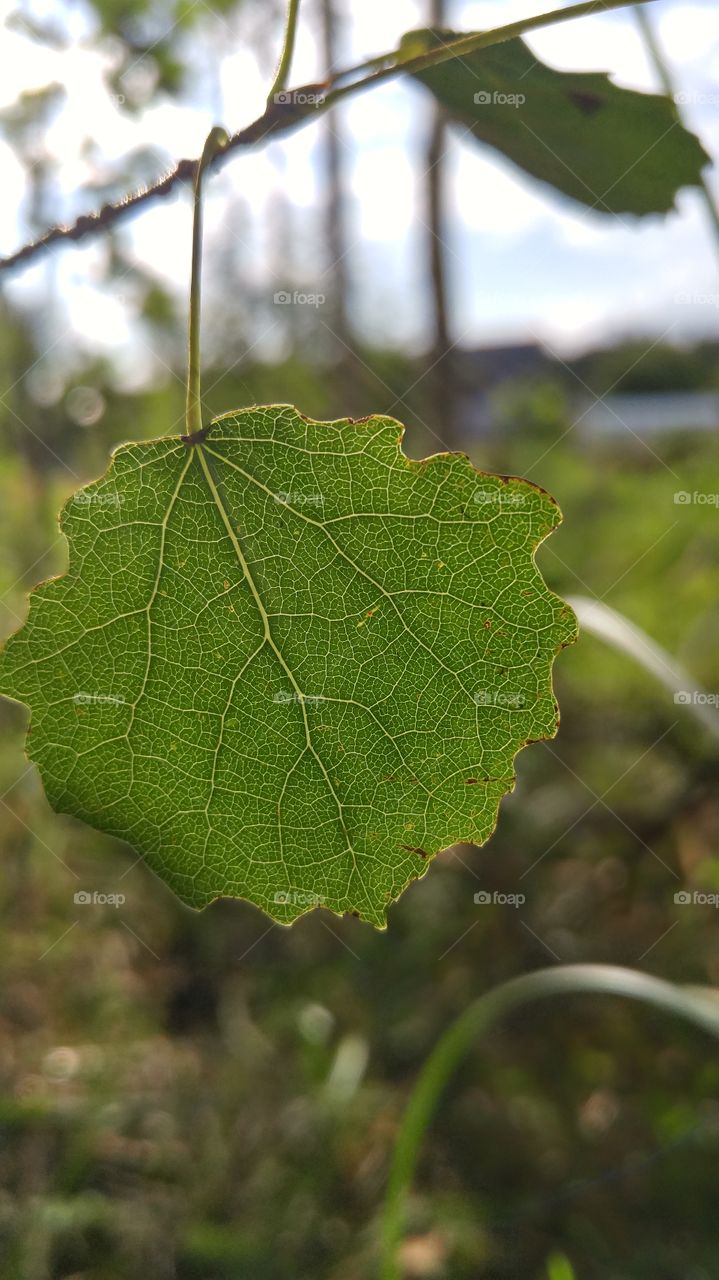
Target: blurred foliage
637 365
152 55
610 148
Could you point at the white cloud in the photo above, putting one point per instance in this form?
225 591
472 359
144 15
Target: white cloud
492 198
384 182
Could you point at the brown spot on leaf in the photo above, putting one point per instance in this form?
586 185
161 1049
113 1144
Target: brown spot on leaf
587 103
422 853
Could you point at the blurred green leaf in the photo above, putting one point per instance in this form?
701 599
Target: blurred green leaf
32 112
613 149
559 1267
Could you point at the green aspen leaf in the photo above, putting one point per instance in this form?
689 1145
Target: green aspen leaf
290 664
614 149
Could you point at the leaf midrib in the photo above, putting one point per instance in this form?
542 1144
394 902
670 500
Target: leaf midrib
269 639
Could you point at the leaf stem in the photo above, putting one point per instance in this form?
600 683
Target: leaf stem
216 141
283 68
480 40
479 1017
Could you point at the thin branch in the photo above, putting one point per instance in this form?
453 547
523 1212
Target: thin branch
283 69
275 120
304 104
664 75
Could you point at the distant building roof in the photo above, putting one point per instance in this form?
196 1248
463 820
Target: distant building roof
488 366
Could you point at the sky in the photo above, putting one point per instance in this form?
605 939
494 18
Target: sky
523 265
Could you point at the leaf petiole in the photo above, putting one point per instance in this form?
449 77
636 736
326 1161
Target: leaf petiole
217 139
283 68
